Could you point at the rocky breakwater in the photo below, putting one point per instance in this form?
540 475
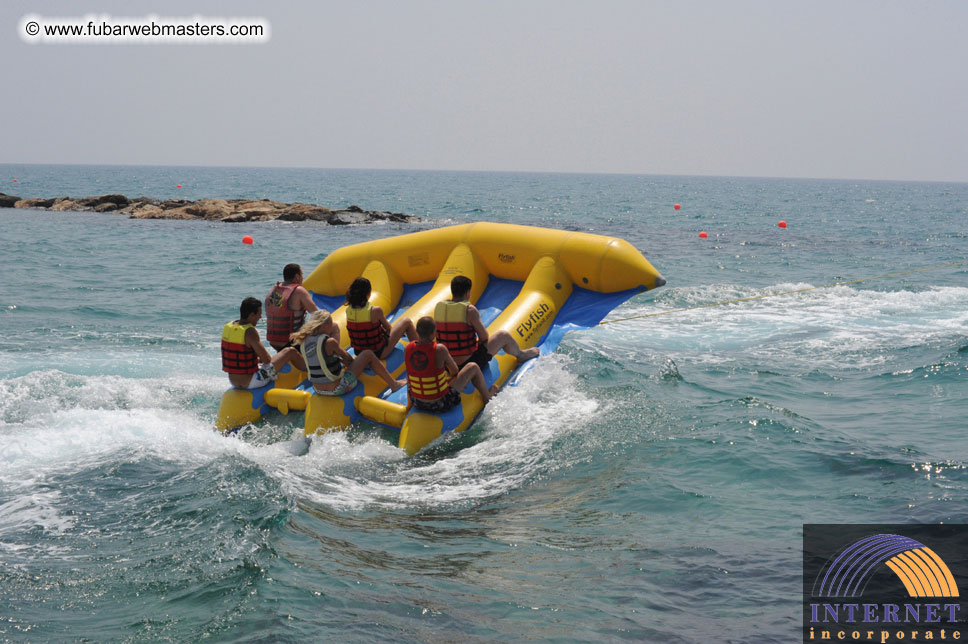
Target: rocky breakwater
227 210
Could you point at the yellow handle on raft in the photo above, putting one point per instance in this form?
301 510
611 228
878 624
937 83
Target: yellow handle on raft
286 399
382 411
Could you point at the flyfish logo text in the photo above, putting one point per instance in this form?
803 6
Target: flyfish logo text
909 592
524 329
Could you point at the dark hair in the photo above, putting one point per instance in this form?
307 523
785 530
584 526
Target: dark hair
426 327
290 271
460 286
249 305
358 293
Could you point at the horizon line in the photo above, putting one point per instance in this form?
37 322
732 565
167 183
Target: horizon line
465 171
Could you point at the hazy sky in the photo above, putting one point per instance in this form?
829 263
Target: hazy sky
839 89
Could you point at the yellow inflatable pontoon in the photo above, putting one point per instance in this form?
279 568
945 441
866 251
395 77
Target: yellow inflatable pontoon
535 283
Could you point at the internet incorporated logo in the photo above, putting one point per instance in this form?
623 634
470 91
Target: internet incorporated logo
888 569
918 567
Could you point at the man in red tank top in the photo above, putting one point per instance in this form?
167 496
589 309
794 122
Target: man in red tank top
286 306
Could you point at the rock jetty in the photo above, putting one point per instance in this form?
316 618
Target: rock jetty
227 210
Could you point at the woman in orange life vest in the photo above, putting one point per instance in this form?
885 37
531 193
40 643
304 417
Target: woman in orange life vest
433 380
242 351
368 326
460 329
286 307
332 371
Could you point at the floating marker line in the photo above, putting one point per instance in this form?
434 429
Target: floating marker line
799 290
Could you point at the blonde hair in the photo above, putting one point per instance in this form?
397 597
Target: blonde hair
316 320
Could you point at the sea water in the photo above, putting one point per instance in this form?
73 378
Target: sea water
648 482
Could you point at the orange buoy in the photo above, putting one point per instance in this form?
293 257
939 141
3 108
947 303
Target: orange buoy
677 206
703 235
248 239
782 224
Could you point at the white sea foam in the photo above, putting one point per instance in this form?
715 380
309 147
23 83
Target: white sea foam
519 429
51 421
40 509
36 509
54 424
819 328
47 391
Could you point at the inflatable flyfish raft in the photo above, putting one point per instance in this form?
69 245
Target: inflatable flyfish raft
535 283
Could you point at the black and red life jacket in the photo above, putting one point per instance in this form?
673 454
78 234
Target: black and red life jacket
453 331
281 321
237 356
365 333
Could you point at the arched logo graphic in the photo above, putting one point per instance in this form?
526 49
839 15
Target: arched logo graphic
922 572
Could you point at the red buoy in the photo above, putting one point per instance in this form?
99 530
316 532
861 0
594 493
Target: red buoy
15 181
248 239
178 186
782 224
677 206
703 235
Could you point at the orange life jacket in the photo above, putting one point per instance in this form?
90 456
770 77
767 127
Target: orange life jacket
237 356
365 333
453 331
281 321
425 381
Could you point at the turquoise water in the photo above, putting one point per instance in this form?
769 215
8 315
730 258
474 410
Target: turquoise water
646 483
